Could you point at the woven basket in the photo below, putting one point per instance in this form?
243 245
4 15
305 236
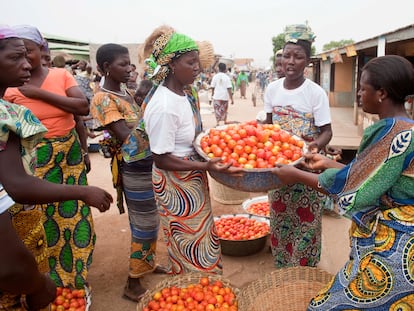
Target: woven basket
206 54
284 289
183 281
226 195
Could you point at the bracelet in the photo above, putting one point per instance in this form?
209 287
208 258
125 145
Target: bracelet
84 154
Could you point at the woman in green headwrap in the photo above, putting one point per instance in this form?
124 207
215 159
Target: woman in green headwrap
172 121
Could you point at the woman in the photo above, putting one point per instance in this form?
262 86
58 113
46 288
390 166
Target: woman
116 110
55 99
299 106
242 83
23 275
376 191
172 120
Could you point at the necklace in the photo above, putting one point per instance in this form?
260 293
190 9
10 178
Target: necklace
113 92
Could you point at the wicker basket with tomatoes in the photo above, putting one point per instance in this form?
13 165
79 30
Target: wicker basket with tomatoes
255 148
191 291
242 234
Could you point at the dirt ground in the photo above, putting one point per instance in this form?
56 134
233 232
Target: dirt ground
110 261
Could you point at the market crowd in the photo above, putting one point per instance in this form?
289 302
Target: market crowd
49 108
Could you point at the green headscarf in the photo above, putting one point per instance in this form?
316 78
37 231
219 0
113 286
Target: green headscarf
167 47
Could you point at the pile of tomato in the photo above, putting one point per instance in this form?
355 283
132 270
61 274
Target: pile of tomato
259 209
204 295
252 145
69 299
239 228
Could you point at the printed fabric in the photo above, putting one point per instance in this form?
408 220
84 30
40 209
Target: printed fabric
27 220
376 191
296 210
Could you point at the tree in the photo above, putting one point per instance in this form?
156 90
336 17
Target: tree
336 44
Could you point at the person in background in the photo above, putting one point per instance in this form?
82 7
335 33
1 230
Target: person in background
142 91
82 73
132 84
261 115
376 191
242 83
24 280
54 97
299 106
46 58
172 120
278 64
59 61
221 89
116 110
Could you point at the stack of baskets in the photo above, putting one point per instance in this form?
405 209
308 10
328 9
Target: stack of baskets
284 289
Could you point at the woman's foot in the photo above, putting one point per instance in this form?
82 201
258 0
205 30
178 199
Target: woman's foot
161 269
134 290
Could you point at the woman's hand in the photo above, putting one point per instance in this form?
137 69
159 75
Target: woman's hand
215 165
43 297
30 91
288 174
318 162
97 197
87 162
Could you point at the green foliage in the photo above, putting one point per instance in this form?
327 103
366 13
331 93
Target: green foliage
336 44
278 42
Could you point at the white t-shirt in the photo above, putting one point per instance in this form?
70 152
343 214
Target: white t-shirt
309 97
221 83
5 200
169 123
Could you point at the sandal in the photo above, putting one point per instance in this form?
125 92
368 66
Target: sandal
130 295
159 269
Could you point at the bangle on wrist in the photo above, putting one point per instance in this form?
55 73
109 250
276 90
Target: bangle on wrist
84 154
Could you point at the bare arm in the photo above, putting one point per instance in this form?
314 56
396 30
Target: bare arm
323 139
230 95
18 268
83 135
170 162
24 188
75 102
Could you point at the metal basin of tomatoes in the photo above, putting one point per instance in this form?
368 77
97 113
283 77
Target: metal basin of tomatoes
243 247
248 204
250 179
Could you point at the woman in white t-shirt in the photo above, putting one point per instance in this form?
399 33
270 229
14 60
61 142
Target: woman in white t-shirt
172 120
300 106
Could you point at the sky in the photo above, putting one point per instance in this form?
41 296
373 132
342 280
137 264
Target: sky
236 28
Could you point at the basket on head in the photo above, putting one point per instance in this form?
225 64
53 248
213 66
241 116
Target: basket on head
182 281
206 53
284 289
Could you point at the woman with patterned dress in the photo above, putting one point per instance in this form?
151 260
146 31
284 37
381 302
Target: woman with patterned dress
54 97
375 191
24 279
172 120
116 110
301 107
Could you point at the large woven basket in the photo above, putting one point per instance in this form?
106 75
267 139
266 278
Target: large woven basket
284 289
183 281
226 195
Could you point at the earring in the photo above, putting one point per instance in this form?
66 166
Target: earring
107 73
172 70
380 101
